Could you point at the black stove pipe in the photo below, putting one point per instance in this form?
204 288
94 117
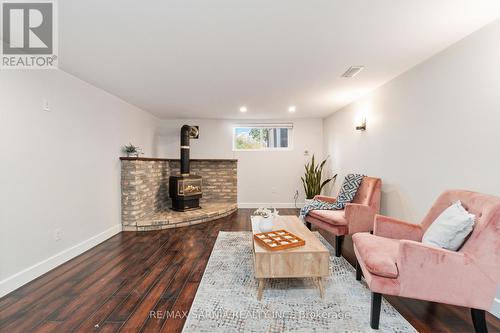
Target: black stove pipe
185 134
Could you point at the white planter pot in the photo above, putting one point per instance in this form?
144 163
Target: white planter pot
266 224
308 201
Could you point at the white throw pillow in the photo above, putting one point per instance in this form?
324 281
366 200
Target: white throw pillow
450 229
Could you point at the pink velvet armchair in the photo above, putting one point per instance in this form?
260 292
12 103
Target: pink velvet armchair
356 217
395 262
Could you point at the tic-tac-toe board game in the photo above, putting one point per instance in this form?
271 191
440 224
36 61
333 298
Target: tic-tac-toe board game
278 240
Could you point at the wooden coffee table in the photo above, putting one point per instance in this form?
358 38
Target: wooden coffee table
309 261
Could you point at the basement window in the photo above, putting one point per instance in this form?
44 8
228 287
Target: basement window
262 137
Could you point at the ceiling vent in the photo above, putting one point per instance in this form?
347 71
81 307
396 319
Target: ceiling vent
353 71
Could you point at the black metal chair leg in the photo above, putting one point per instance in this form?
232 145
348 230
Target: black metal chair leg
479 320
375 310
338 245
359 272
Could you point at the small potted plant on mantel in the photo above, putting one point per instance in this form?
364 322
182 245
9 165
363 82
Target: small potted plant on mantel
132 151
312 179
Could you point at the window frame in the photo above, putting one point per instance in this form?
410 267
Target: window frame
264 126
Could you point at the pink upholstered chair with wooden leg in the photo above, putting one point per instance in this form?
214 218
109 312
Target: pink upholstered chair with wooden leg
356 217
395 262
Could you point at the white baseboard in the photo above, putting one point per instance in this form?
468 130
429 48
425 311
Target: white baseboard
17 280
276 205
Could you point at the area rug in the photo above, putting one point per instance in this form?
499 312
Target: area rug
226 299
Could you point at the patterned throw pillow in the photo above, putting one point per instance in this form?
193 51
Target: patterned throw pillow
348 190
346 194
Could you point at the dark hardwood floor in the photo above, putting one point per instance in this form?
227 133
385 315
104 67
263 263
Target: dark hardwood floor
116 285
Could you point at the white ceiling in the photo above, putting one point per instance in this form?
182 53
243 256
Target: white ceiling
205 59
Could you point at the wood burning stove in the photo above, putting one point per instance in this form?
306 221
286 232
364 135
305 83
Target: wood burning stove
185 189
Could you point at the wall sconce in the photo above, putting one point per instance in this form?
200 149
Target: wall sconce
361 126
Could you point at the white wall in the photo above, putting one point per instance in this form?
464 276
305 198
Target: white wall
59 169
433 128
259 173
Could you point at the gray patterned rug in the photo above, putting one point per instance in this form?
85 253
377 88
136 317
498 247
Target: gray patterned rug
226 298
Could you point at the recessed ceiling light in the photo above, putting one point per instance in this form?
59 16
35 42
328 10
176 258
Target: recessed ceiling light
292 109
243 109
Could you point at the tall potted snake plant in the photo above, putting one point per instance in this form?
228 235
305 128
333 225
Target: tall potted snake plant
312 179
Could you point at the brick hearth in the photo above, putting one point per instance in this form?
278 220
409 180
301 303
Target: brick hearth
145 200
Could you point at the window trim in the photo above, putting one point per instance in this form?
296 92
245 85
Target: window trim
270 125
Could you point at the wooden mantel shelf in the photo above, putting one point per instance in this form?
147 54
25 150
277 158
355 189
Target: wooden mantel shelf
176 159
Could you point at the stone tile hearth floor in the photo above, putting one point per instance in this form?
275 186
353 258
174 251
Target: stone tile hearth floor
173 219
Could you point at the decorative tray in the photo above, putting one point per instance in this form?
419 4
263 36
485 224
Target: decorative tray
279 240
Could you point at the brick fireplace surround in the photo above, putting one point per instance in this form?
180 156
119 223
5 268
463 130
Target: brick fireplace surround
145 199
